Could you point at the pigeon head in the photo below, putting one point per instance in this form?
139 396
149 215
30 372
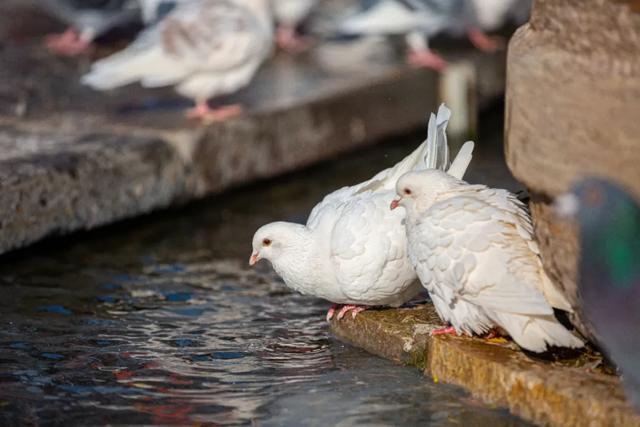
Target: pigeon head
419 190
273 240
595 203
609 221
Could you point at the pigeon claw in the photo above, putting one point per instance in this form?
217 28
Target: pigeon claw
331 312
69 43
426 59
354 309
449 330
289 41
484 42
203 112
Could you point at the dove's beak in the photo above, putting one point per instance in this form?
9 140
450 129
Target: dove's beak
395 203
255 257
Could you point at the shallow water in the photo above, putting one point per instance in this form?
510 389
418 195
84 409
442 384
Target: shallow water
160 320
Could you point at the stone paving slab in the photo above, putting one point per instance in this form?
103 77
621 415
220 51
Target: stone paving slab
73 159
556 391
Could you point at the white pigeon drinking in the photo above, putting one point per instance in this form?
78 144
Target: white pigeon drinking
352 250
289 14
418 21
204 48
473 248
88 19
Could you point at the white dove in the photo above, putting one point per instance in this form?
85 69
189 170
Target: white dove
473 248
203 47
353 250
418 21
288 15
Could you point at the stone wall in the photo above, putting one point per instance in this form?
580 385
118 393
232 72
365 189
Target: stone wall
573 110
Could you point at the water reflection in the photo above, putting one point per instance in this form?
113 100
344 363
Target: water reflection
160 321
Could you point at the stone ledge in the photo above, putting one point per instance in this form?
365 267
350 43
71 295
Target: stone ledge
560 393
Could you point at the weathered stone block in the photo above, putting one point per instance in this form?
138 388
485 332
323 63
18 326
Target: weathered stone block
573 110
564 392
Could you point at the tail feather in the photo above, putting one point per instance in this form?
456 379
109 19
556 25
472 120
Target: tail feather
130 66
436 150
554 296
460 164
433 153
536 333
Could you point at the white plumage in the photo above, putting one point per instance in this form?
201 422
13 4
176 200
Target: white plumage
353 249
203 47
473 249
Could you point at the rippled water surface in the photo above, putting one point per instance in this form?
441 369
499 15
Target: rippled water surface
161 321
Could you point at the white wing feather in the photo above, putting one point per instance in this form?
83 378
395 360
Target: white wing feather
476 251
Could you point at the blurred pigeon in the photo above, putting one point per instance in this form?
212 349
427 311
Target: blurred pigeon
473 247
203 47
492 15
352 250
418 21
289 14
88 19
609 271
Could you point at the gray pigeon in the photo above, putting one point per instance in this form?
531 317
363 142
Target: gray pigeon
418 21
609 271
87 20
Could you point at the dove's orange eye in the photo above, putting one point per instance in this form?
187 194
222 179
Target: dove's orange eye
407 191
266 242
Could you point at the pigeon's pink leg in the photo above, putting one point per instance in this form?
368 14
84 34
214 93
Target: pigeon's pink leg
357 310
288 40
354 309
484 42
331 312
202 111
426 59
68 43
493 333
449 330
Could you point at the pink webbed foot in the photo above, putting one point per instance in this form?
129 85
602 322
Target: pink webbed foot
203 112
354 309
426 59
288 39
69 43
484 42
449 330
331 312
